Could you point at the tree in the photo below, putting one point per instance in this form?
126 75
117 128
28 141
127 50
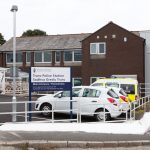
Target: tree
35 32
2 40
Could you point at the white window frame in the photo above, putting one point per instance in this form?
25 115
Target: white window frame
97 48
73 52
42 57
26 57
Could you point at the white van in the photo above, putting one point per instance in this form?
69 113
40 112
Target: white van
130 86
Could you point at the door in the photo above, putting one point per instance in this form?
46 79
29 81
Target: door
62 102
89 101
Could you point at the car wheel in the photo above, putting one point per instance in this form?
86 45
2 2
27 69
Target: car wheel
46 107
99 116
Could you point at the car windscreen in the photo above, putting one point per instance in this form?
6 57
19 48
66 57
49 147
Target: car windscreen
128 88
112 94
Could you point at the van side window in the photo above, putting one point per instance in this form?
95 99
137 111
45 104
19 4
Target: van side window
128 88
112 84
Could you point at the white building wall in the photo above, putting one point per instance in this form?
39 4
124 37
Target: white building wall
146 36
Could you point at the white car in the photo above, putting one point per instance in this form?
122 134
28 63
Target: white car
123 97
91 101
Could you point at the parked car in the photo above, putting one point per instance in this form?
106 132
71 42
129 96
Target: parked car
123 97
90 101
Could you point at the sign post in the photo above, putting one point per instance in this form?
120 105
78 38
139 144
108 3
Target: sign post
50 79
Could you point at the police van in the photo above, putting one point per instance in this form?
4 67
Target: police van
130 86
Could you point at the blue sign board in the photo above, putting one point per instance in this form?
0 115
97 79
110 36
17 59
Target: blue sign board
50 78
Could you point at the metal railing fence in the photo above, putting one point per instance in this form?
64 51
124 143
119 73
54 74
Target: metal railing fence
139 107
144 89
23 114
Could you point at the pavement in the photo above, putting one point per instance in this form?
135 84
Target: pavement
72 140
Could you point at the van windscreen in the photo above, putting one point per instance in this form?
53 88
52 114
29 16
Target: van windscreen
128 88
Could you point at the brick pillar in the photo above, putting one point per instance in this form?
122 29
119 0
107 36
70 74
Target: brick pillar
53 58
24 60
32 59
4 60
62 59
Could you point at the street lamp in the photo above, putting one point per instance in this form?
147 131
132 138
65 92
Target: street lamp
14 9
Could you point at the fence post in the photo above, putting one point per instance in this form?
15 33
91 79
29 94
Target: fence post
26 114
130 105
104 113
80 115
52 114
134 109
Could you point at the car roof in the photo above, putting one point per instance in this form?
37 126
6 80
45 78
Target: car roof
119 80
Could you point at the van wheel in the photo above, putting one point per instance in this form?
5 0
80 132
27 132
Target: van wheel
100 116
46 107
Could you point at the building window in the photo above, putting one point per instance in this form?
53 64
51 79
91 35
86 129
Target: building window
45 56
68 56
73 56
93 79
76 81
77 55
19 57
9 57
57 56
98 48
38 56
28 57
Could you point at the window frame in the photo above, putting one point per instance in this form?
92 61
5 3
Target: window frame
17 62
43 61
73 55
73 79
27 57
97 51
94 78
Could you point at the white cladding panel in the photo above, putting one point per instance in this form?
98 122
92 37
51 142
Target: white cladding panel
146 36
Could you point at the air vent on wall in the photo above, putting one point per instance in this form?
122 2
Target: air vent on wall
113 36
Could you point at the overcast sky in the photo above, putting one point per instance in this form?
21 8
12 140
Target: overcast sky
73 16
